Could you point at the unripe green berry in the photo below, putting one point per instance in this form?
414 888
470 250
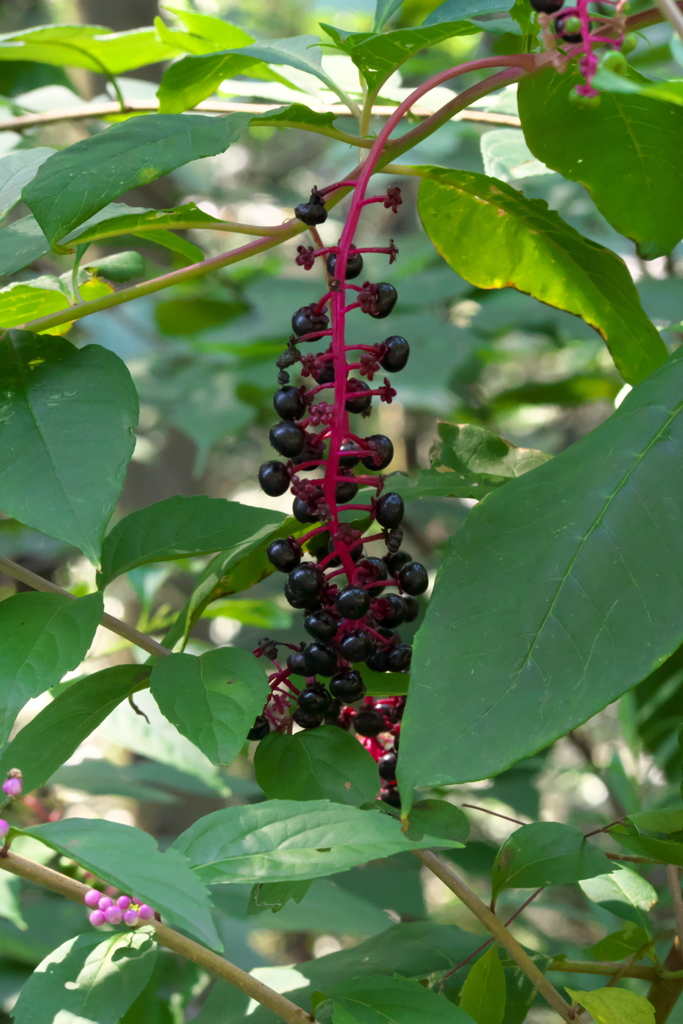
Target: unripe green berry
614 61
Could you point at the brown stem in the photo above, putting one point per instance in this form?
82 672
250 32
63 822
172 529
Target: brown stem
664 992
141 640
168 937
438 866
603 968
674 879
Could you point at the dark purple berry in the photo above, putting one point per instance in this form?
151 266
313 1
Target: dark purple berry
321 659
413 578
325 375
389 510
396 560
398 658
382 449
316 700
288 403
546 6
332 713
390 795
354 265
369 722
307 321
390 611
346 490
386 766
347 686
377 660
306 719
313 212
259 729
297 601
284 555
571 35
298 663
394 539
386 300
356 646
322 625
302 512
358 401
396 352
348 461
286 438
305 580
352 602
273 478
412 608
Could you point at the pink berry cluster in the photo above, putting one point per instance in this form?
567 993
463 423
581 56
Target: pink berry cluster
122 910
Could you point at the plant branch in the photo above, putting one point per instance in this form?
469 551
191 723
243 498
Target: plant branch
438 866
664 992
168 937
146 643
674 879
602 968
672 12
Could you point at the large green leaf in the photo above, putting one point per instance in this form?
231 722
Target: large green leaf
16 170
623 892
655 834
483 994
494 237
86 46
78 181
129 859
191 79
66 435
633 178
284 840
393 1001
212 699
88 980
21 242
546 853
178 527
327 763
50 738
615 1006
42 636
547 607
300 52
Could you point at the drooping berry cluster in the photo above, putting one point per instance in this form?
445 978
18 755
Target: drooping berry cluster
352 601
121 910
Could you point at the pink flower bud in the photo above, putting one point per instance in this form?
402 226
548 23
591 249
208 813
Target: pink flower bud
113 915
146 912
123 902
131 917
4 828
105 902
97 918
92 897
12 787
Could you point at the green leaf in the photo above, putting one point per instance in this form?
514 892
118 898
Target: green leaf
507 156
21 243
191 79
76 182
327 763
494 237
623 892
262 614
129 859
123 220
615 1006
630 180
212 699
53 735
16 170
383 11
88 980
385 684
283 840
552 565
119 267
520 993
66 435
86 46
274 895
618 945
10 908
207 28
42 636
300 52
546 853
179 527
483 994
456 10
437 818
382 1000
20 303
655 834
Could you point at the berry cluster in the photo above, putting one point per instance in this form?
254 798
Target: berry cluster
352 602
123 909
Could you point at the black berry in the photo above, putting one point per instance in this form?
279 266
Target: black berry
321 659
389 510
347 686
386 766
306 719
316 700
332 713
546 6
412 608
259 729
368 722
373 569
307 321
386 300
286 438
325 375
413 578
346 490
284 555
357 401
305 581
377 660
297 601
390 795
356 646
398 658
354 265
394 539
396 353
390 610
273 478
322 625
313 212
288 403
298 664
382 452
302 512
348 461
352 602
396 560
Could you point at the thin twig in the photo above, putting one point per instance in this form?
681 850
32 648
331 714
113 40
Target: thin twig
602 968
633 860
146 643
168 937
674 879
495 814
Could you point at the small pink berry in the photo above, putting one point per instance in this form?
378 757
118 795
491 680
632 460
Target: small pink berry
123 902
113 915
92 897
97 918
146 912
131 917
12 787
105 902
4 828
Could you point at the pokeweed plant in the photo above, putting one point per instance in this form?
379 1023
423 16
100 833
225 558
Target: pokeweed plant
560 594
